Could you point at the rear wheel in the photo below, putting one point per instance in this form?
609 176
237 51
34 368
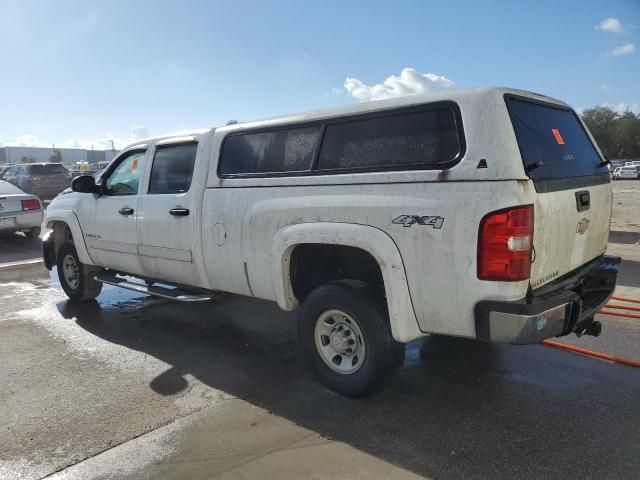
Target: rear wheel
344 331
76 278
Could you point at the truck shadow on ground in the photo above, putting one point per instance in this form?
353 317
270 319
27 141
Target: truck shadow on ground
457 408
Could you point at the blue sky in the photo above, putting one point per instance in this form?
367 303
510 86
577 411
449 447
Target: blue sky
79 72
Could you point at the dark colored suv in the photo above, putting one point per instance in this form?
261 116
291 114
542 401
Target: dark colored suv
46 180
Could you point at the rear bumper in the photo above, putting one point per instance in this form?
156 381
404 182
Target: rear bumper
568 305
22 220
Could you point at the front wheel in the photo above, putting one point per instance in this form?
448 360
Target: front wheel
76 278
344 331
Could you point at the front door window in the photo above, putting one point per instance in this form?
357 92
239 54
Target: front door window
125 178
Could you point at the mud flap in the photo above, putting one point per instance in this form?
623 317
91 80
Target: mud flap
48 250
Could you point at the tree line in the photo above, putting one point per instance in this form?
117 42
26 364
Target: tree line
617 135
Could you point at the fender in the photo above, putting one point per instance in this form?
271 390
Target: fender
404 326
68 217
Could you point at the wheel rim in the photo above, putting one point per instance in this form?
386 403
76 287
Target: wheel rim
70 272
340 342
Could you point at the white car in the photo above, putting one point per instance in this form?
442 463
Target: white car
626 172
19 211
474 213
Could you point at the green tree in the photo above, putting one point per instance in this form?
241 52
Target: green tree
601 123
56 156
28 159
617 135
232 122
628 135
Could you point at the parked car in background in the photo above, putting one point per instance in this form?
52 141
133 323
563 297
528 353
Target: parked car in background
626 172
4 169
19 211
46 180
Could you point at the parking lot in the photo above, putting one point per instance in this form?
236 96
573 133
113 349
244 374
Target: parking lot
138 387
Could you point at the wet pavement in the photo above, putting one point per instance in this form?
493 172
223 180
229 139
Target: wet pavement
137 387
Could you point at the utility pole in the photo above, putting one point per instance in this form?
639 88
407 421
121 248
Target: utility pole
113 149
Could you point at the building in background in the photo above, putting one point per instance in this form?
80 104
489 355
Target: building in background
70 157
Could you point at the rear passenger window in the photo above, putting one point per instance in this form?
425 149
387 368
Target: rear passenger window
289 150
425 139
172 168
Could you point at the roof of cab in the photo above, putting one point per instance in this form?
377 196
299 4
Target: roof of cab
463 95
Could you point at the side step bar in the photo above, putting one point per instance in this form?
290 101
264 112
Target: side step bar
169 293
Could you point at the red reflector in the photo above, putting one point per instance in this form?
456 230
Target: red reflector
32 204
504 244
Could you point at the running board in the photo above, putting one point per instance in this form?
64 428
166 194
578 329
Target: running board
169 293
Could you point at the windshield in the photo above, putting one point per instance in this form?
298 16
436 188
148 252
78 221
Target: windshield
553 142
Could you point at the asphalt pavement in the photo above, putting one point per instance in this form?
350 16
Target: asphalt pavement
138 387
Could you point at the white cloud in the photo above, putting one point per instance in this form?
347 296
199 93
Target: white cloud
139 132
409 82
623 50
612 25
622 107
26 141
104 143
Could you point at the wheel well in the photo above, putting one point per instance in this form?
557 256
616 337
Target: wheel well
315 264
61 235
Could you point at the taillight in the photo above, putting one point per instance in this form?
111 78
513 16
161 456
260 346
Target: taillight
505 241
31 204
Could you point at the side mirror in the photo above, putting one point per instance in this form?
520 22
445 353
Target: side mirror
84 184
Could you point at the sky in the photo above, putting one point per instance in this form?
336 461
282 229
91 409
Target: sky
82 73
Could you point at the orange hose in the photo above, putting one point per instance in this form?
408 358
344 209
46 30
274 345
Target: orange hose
618 314
591 353
623 307
624 299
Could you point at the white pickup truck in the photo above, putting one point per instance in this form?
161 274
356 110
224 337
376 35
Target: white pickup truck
481 214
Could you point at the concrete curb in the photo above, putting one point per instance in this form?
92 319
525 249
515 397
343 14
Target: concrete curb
16 271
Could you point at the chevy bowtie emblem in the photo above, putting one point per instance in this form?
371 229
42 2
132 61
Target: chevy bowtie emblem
583 226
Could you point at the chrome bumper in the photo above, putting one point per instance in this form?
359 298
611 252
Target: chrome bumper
568 305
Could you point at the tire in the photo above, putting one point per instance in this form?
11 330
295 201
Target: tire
354 314
33 233
83 287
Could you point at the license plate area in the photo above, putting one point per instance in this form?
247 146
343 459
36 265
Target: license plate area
7 222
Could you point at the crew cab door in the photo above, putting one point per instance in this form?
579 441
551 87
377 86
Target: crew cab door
109 220
167 215
572 209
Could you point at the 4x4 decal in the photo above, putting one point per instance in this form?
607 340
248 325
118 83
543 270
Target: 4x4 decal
409 220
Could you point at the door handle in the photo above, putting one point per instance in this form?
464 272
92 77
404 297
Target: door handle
125 211
179 212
